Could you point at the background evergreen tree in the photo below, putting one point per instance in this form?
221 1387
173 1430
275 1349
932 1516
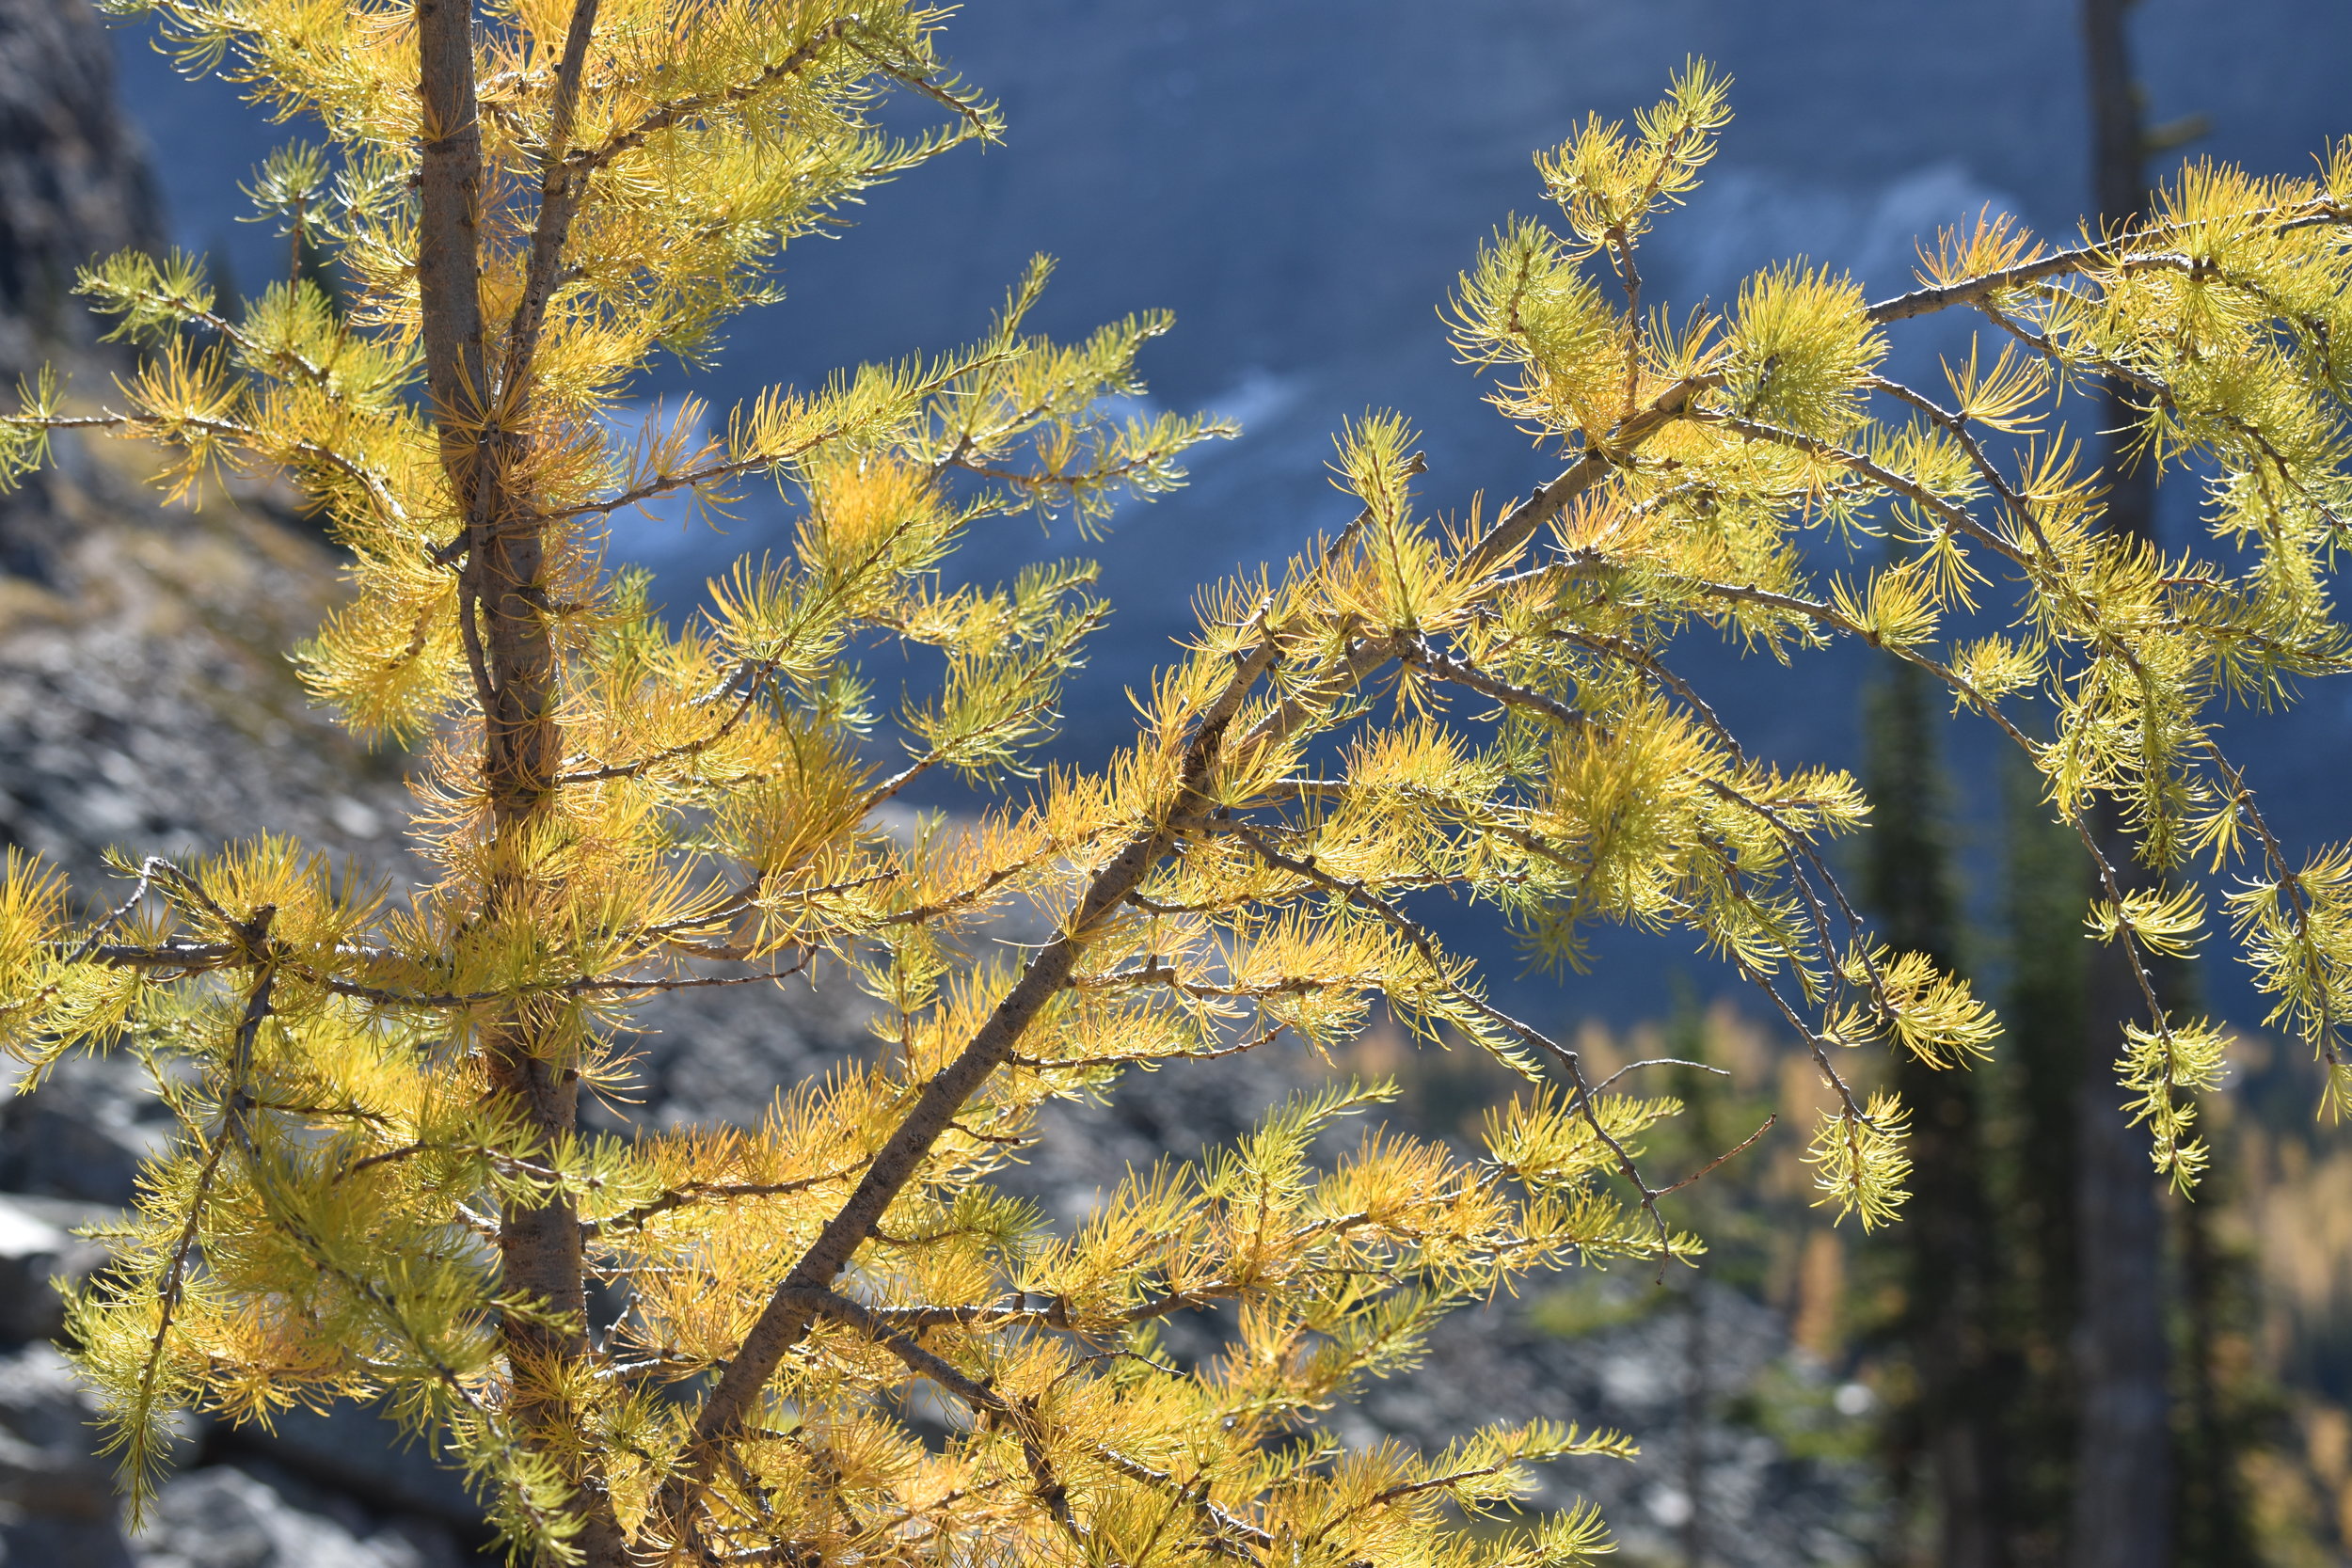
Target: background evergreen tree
2045 885
1949 1431
2224 1412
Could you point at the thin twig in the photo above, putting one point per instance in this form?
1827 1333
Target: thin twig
234 1105
1710 1168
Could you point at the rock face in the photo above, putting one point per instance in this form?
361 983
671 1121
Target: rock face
258 1516
72 182
37 1244
56 1499
72 186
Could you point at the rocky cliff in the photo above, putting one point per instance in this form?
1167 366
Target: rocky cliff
72 185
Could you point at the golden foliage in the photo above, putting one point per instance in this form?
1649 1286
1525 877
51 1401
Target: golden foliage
352 1162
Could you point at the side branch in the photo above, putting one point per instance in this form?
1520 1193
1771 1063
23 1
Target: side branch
560 190
784 1323
235 1105
588 160
1049 1488
2061 263
1519 524
880 1328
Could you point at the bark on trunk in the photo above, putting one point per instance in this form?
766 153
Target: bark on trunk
500 602
2122 1511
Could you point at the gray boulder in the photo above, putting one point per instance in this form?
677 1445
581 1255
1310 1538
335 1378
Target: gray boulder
38 1246
57 1502
60 1507
235 1516
81 1136
355 1450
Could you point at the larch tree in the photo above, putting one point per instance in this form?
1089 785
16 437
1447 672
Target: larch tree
381 1189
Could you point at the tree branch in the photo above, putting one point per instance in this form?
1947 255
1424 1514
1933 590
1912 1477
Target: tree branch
1975 291
560 190
784 1320
588 160
1414 932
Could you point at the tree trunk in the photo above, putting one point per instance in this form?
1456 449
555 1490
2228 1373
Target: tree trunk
2121 1516
500 603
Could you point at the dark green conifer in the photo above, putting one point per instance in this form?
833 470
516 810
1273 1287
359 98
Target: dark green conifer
1946 1441
2046 883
